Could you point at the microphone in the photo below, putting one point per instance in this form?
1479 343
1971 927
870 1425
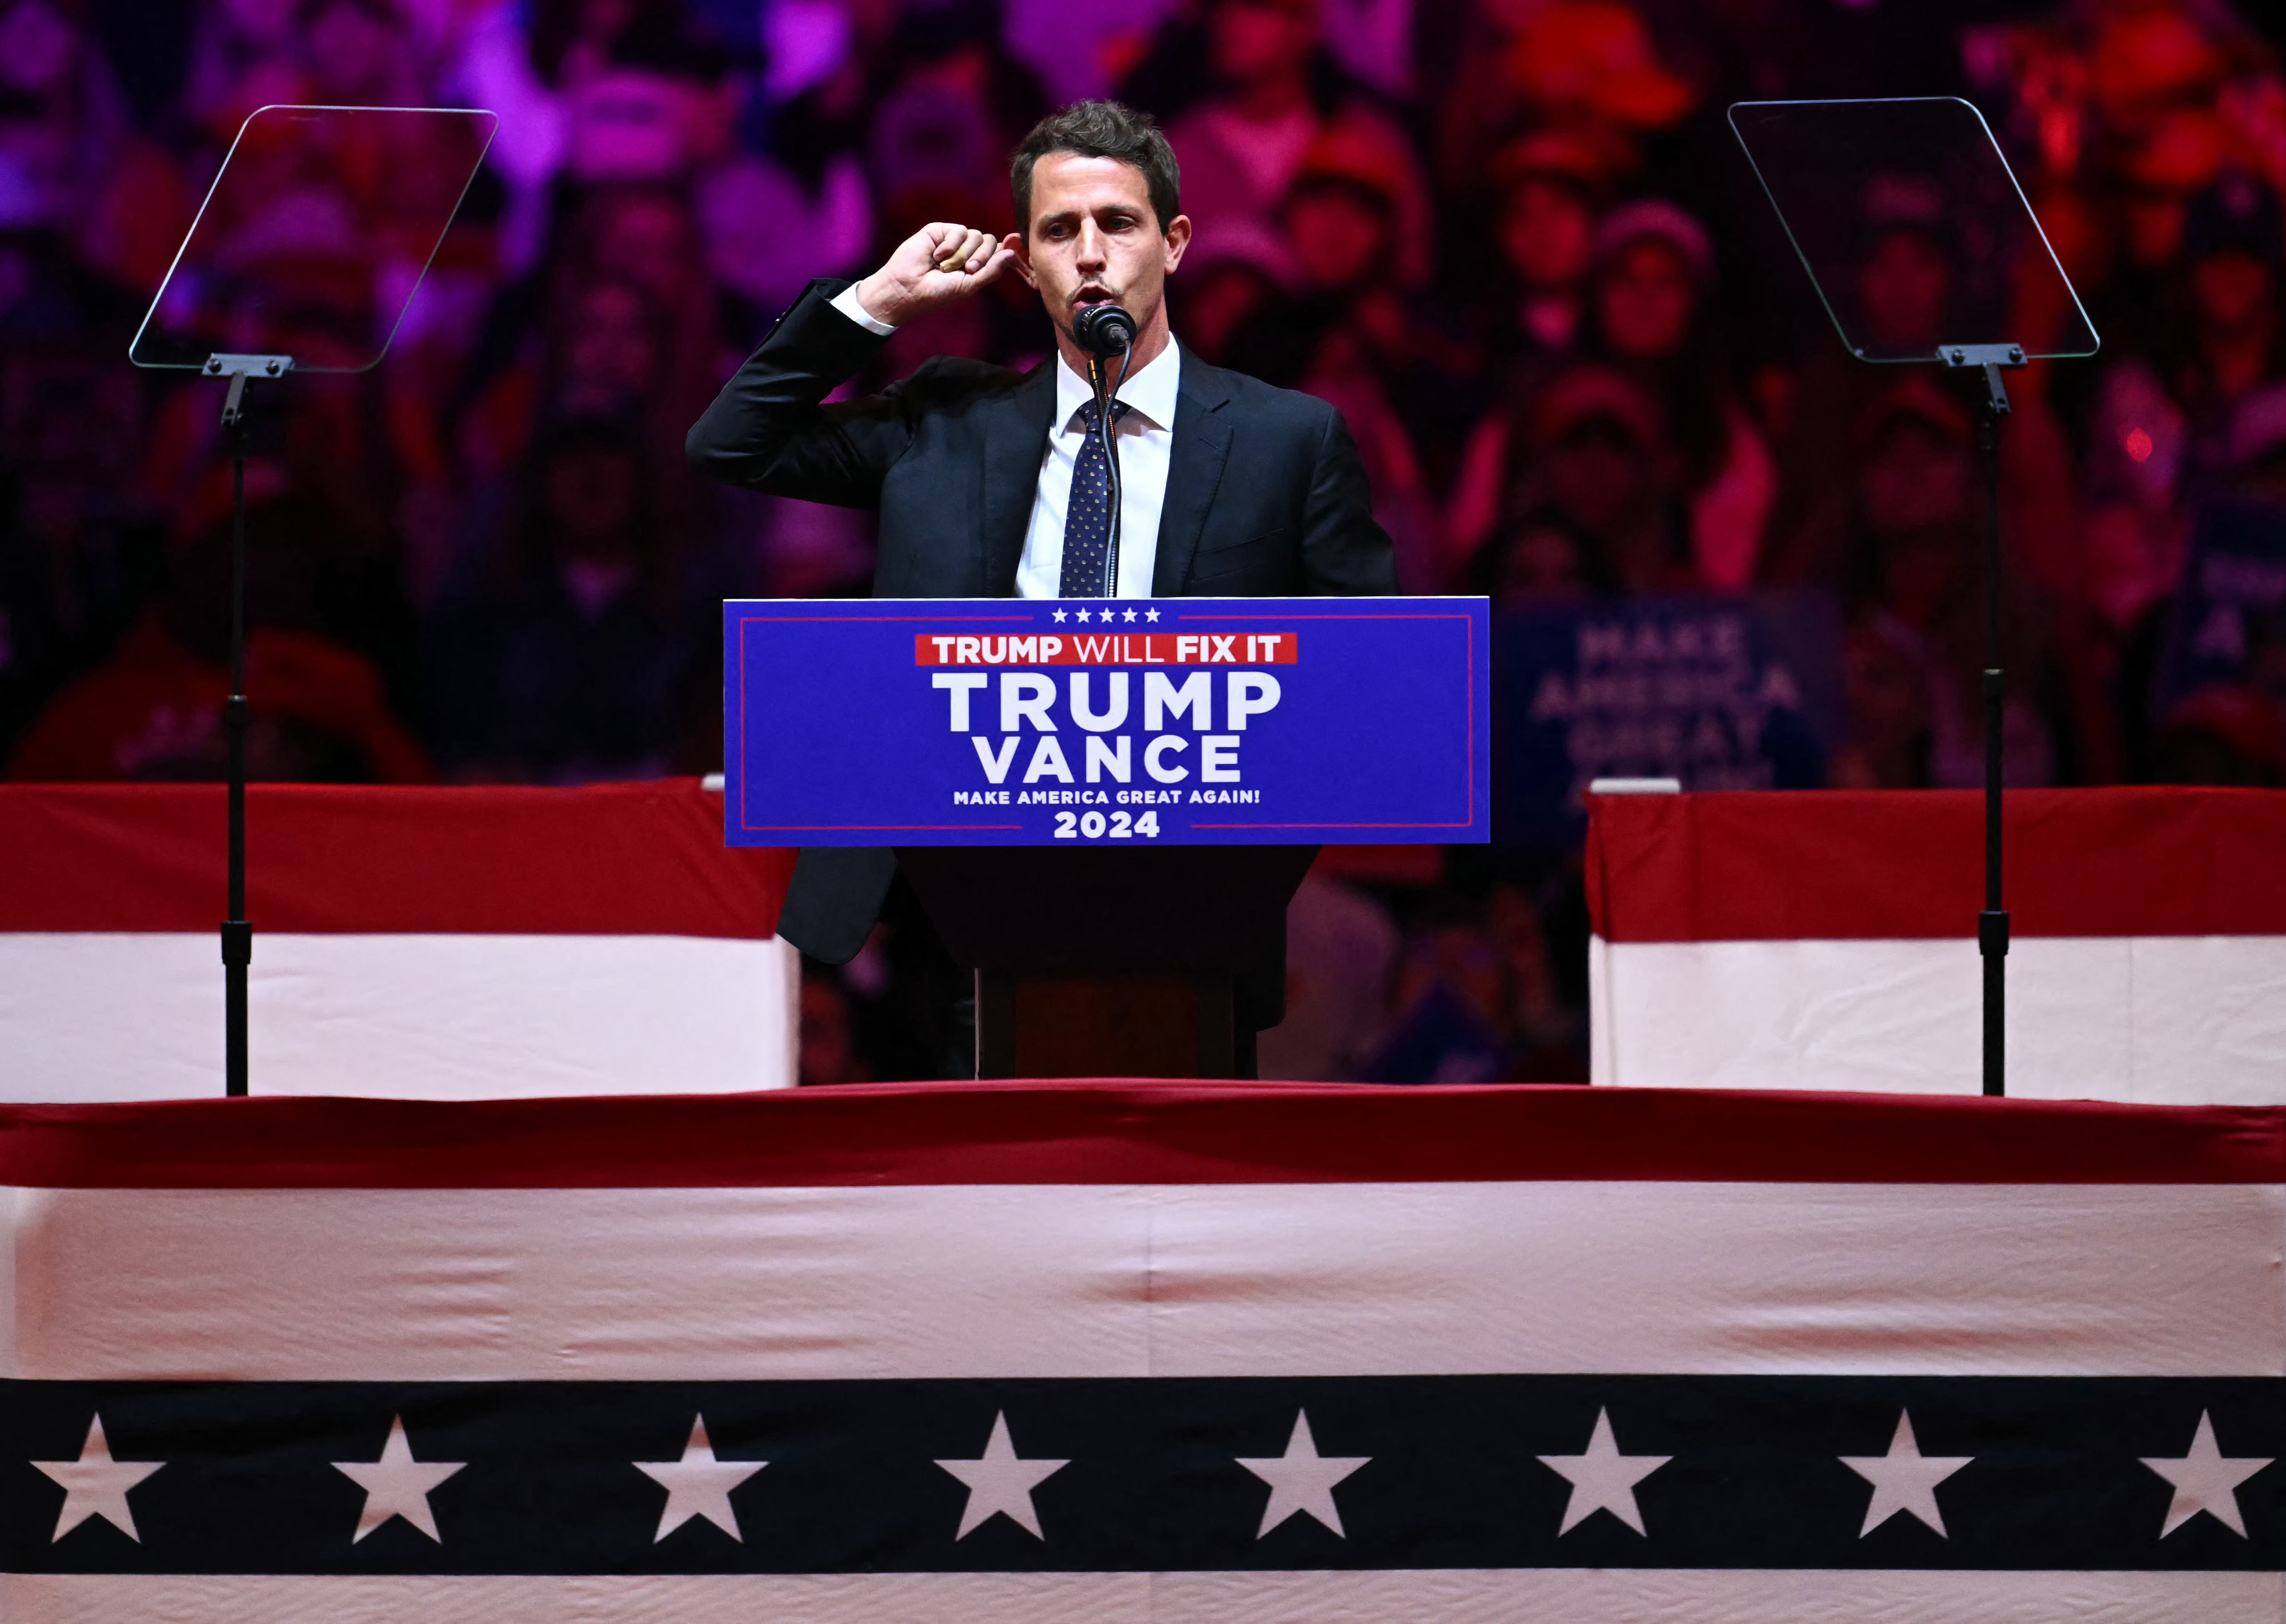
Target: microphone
1104 328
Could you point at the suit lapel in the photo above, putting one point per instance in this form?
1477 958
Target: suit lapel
1194 471
1015 440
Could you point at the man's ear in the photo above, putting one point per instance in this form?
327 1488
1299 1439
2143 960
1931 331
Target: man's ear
1179 238
1016 244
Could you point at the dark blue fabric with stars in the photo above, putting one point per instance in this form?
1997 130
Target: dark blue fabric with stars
1754 1473
1087 516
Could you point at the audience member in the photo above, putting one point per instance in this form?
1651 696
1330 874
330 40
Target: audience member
1550 188
153 710
2224 737
244 55
1585 66
565 668
1474 999
1906 550
1341 946
1242 148
1592 448
75 558
1366 350
1228 302
358 53
1896 305
2234 339
827 1050
1539 557
1655 268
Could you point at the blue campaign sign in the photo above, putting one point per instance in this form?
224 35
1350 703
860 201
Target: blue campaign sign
2233 596
1019 722
1722 692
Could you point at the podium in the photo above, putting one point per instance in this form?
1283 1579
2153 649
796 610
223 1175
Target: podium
1109 962
1105 807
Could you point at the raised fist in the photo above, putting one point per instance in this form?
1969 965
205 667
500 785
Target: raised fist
937 264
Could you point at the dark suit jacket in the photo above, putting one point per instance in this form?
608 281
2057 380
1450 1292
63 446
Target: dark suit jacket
1266 497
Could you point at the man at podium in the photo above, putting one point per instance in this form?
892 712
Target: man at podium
992 483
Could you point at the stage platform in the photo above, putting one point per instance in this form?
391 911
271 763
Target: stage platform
1144 1354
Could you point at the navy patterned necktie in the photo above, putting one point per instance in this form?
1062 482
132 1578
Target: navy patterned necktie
1087 516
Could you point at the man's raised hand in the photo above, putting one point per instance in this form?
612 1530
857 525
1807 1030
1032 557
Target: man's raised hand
937 264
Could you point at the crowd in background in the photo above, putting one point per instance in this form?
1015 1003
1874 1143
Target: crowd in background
1514 241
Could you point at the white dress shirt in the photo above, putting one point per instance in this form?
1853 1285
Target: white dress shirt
1147 443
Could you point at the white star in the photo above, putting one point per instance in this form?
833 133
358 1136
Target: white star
1603 1480
2205 1479
1905 1479
1000 1484
1060 615
96 1485
1302 1480
1082 616
698 1485
1150 614
397 1484
1129 615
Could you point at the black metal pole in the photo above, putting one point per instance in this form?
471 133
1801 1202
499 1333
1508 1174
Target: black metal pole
237 933
1099 373
1992 924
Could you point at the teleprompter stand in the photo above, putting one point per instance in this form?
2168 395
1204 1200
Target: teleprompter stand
1992 923
1109 961
237 933
254 294
1841 176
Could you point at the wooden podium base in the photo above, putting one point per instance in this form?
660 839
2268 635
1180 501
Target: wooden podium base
1107 962
1139 1024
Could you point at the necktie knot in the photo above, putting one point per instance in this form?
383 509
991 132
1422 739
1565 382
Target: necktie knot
1091 414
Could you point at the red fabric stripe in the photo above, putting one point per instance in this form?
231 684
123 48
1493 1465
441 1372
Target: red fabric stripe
621 859
1888 864
1136 1133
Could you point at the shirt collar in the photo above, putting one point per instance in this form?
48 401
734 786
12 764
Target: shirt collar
1149 391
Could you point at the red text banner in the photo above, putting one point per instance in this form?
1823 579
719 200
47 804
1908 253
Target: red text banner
1110 648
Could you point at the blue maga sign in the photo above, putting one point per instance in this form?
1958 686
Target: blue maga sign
1720 692
1033 722
2233 595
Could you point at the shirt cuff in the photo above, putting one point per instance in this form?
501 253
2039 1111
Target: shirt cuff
846 301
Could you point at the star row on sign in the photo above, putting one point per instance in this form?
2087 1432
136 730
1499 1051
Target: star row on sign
1000 1482
1108 615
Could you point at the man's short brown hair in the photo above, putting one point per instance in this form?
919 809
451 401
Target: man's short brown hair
1100 130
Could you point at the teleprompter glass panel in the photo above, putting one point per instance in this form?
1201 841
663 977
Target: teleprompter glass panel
314 235
1912 227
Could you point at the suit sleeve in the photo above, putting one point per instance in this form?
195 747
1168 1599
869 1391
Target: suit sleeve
1344 550
768 431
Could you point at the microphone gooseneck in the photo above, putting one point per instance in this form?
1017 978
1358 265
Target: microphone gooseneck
1107 392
